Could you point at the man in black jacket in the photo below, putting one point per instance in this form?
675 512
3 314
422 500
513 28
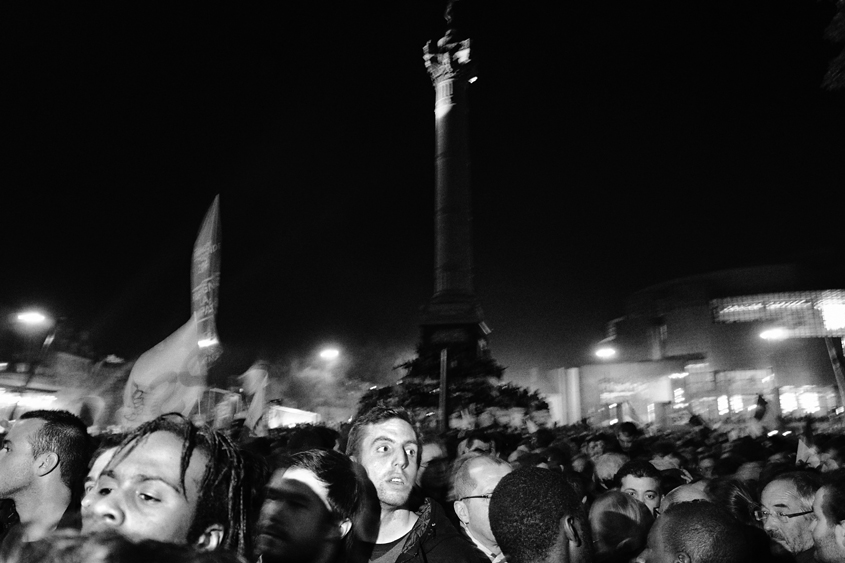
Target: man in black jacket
385 443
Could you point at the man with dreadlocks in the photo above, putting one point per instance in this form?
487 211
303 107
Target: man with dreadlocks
171 481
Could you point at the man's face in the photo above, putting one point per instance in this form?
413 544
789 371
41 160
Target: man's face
656 550
140 495
705 467
430 453
16 461
625 441
477 516
595 448
824 536
644 489
296 522
829 461
388 453
795 534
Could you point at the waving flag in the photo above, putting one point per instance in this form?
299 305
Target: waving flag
171 376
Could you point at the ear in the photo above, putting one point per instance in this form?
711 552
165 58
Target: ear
461 511
570 530
46 463
682 558
839 534
210 539
345 526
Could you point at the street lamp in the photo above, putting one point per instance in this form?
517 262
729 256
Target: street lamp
32 318
777 333
606 352
329 353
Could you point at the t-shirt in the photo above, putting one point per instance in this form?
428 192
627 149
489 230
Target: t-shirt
387 552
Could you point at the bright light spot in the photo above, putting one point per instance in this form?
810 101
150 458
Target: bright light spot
4 365
678 375
614 420
833 315
606 352
772 433
722 404
752 408
768 378
736 403
788 402
32 318
650 410
840 410
330 353
206 342
809 402
373 387
774 334
787 433
611 406
473 79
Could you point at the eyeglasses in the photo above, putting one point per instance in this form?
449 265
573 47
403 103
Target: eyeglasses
762 514
488 496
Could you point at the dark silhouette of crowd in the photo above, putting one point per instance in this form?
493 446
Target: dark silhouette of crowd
382 490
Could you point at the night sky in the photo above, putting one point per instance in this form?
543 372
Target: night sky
614 146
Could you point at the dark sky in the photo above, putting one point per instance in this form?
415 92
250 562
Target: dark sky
614 146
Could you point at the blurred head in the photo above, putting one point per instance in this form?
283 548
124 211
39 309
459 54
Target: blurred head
537 517
310 505
620 525
684 493
386 444
641 480
787 509
626 434
832 454
829 525
695 531
474 478
735 497
434 454
172 481
607 466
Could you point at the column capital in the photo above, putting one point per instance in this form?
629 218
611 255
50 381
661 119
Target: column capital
448 61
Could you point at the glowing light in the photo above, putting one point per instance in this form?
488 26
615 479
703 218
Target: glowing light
330 353
614 420
722 404
650 410
4 366
736 403
611 406
31 318
606 352
751 408
833 315
774 334
787 433
788 402
772 433
207 342
809 402
678 375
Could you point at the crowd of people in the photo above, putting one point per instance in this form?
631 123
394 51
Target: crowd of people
379 490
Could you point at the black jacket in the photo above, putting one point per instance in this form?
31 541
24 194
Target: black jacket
434 539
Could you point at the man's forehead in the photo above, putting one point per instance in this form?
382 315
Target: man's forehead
487 474
780 492
24 428
161 451
392 428
641 482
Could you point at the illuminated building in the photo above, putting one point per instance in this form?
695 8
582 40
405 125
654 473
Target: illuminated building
694 345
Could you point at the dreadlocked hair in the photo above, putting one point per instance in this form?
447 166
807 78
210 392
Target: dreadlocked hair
222 495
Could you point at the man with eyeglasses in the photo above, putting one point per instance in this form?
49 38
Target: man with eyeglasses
787 512
474 477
